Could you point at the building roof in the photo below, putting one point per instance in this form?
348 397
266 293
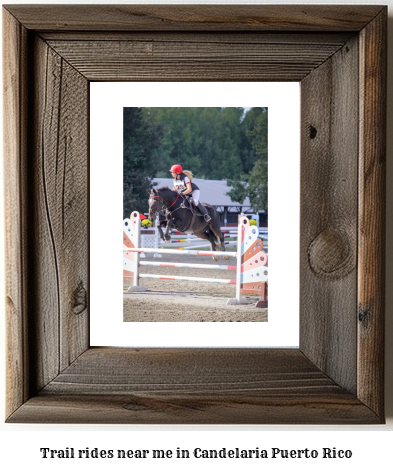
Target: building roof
212 192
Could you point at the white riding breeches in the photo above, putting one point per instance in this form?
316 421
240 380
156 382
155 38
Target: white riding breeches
195 196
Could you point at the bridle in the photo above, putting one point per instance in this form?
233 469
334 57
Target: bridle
163 205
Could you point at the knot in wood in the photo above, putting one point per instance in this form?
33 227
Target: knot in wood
330 254
80 299
313 132
363 316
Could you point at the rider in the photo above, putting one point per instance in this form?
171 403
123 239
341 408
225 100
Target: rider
182 183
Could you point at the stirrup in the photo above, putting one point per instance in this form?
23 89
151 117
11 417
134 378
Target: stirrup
207 218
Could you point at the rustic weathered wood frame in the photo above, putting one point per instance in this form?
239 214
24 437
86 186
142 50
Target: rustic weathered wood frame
338 54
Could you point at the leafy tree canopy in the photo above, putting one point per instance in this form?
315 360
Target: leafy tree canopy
140 138
254 184
213 142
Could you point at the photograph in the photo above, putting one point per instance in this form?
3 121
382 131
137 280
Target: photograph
195 204
66 186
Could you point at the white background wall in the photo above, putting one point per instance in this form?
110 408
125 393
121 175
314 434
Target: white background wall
370 445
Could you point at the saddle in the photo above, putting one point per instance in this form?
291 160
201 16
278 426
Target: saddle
188 203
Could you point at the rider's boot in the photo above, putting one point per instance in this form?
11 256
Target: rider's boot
203 211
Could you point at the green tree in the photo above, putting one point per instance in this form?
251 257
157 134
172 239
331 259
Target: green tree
205 140
247 151
258 136
254 184
227 160
140 138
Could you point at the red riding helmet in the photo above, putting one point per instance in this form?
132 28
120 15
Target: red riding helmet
176 169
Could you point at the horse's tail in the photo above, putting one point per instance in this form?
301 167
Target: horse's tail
214 239
214 215
214 229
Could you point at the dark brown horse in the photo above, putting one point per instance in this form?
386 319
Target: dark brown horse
179 215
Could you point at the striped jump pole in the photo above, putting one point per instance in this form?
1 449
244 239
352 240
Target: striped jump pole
188 265
202 245
181 252
251 267
184 278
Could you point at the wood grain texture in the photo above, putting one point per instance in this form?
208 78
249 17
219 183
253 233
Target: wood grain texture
193 386
194 409
194 17
60 217
328 253
14 73
372 189
143 60
201 37
336 375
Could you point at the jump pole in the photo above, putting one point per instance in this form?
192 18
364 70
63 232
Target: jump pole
183 252
188 265
200 246
251 269
167 277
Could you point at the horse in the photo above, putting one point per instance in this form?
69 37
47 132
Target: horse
180 216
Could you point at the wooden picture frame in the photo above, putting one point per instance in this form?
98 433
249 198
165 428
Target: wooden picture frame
338 54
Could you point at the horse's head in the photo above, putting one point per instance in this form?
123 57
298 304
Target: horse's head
155 204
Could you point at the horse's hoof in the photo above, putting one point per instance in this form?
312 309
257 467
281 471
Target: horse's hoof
215 258
226 257
167 240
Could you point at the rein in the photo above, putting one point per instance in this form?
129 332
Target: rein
170 213
178 195
159 199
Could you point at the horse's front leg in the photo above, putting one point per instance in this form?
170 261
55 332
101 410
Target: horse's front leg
161 233
165 236
172 223
160 229
169 227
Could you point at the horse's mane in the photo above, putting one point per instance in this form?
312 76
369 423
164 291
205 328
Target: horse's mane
165 188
